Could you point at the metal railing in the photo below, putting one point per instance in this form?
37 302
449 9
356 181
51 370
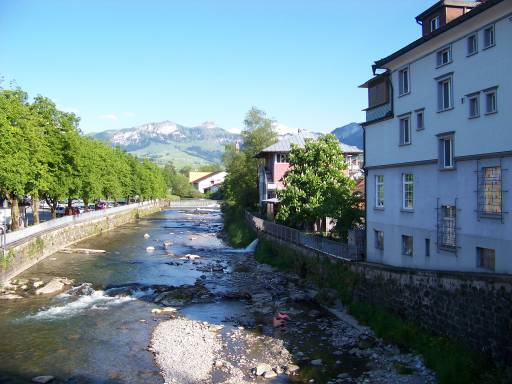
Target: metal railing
345 251
194 203
33 230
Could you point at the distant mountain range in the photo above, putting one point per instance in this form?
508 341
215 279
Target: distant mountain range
167 141
350 134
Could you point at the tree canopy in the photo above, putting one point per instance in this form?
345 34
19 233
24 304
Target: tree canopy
240 188
317 187
43 155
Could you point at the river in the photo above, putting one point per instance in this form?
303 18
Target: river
101 333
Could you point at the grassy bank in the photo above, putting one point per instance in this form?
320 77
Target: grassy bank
238 233
453 363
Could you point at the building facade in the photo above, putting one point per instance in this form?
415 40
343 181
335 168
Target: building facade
210 182
275 164
438 143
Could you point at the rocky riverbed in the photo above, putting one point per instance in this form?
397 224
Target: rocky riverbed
280 334
171 294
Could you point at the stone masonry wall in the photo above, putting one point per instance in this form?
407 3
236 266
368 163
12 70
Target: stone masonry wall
474 309
19 257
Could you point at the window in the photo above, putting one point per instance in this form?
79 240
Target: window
446 160
408 191
472 44
489 37
447 227
434 24
491 101
485 258
281 158
427 247
444 56
474 105
445 96
379 239
406 245
490 188
379 191
405 131
420 120
403 81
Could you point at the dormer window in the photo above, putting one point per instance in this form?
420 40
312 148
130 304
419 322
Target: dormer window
434 24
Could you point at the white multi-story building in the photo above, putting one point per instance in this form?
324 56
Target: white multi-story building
438 143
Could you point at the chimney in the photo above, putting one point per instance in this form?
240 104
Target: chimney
443 12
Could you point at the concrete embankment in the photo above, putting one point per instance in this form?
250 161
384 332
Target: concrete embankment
38 244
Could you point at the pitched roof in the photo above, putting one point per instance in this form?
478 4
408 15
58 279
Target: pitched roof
474 12
284 145
193 176
208 174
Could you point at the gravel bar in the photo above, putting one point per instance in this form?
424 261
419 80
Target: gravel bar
185 350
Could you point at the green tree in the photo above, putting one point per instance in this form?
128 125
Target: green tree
316 186
240 188
15 166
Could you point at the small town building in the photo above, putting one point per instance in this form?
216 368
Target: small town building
275 165
438 143
208 181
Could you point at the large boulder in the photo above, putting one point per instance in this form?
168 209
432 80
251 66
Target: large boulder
56 284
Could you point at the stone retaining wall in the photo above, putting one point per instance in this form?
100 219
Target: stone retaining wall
21 256
474 309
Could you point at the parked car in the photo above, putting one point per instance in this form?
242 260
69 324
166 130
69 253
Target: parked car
100 205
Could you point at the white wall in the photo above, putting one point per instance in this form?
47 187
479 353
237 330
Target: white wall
449 186
486 134
488 68
212 180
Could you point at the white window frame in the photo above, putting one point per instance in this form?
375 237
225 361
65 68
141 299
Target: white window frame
440 55
475 97
379 191
491 108
406 251
404 124
403 80
492 37
441 82
420 112
435 23
446 145
407 181
473 37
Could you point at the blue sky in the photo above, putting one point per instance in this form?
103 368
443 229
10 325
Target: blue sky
118 63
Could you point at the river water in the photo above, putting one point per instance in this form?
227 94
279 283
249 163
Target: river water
100 332
98 337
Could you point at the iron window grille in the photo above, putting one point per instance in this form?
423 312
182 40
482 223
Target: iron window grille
447 227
